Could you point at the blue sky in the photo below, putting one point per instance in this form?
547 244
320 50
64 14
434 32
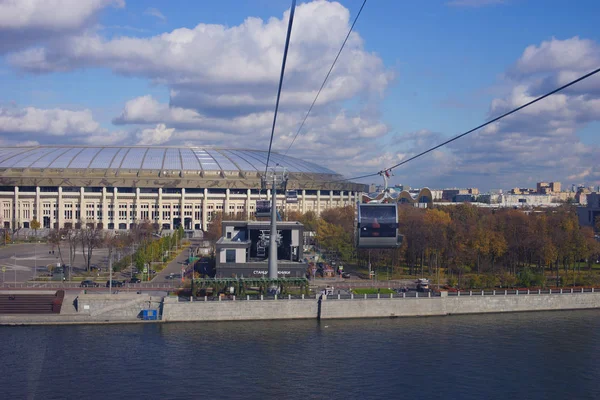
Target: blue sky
432 70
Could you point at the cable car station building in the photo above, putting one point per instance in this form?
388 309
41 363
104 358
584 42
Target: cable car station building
243 250
116 187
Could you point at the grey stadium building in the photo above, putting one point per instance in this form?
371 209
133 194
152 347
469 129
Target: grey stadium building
115 187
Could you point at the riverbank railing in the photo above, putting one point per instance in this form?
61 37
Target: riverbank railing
393 296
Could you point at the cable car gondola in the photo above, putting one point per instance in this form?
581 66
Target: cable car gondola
377 226
291 197
263 208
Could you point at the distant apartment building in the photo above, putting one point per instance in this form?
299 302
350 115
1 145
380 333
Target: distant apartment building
548 187
436 194
522 200
450 195
581 195
589 212
522 191
464 198
490 198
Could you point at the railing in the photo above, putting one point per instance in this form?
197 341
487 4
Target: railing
394 296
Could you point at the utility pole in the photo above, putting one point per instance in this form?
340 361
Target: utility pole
110 274
34 259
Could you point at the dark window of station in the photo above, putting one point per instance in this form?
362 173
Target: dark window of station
172 190
27 189
126 190
217 191
237 191
336 192
47 189
255 191
92 189
148 190
7 188
194 190
70 189
230 255
311 192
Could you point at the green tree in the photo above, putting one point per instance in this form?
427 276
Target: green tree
35 225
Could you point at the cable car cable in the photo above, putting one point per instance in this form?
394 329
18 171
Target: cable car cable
326 77
581 78
285 52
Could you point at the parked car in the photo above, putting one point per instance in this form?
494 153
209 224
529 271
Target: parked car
114 283
89 283
134 280
345 274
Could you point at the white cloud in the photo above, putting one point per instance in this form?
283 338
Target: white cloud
55 122
54 125
538 143
218 69
155 12
23 22
158 135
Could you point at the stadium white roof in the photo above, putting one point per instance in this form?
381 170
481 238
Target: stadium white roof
181 158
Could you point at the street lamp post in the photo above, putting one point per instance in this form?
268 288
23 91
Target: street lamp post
110 274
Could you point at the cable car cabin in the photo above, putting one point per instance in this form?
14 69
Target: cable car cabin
378 226
291 197
263 208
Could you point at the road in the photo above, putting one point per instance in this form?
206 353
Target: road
174 267
22 262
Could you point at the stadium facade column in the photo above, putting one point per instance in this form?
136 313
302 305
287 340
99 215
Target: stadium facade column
248 195
182 208
330 199
303 201
137 206
160 207
61 210
104 209
226 210
38 207
115 204
205 210
16 210
82 208
318 202
342 202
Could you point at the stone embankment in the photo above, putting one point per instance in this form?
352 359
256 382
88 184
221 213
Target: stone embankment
383 306
128 307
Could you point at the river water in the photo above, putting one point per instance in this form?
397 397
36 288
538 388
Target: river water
547 355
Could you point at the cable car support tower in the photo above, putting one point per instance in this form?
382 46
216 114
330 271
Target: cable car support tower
277 176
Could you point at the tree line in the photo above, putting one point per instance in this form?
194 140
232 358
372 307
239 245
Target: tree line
490 247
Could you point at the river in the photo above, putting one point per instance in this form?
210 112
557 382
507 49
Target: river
545 355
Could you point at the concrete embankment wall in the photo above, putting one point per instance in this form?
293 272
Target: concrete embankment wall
410 307
122 306
238 310
373 308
